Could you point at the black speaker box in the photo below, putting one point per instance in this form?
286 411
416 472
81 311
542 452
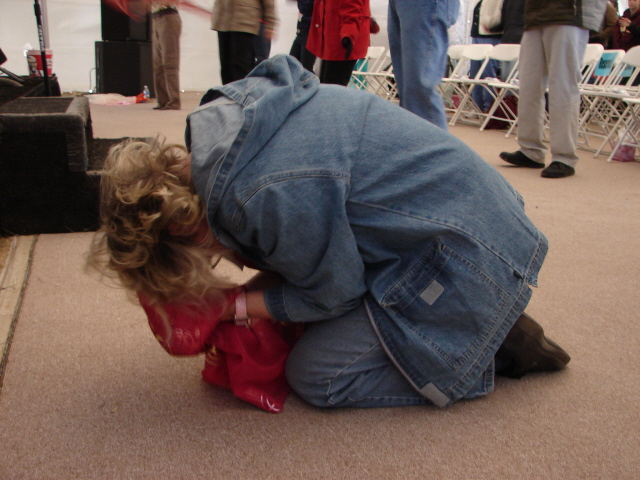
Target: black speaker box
44 183
124 67
118 27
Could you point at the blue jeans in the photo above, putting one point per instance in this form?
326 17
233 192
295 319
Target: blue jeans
481 95
418 41
341 363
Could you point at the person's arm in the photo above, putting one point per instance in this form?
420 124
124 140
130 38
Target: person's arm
351 14
634 29
299 228
609 23
269 18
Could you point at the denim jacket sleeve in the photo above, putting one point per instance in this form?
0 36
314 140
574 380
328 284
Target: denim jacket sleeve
297 225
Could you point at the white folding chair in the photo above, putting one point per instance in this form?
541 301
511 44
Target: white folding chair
376 60
461 83
503 52
603 104
456 67
619 105
593 112
592 55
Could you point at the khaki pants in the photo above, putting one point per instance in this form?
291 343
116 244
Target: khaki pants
550 56
166 59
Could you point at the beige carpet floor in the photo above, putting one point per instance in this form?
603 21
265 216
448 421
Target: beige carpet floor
89 394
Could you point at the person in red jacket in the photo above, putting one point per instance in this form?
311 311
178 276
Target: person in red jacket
339 36
627 35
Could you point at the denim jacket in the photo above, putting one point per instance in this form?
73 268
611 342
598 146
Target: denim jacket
353 199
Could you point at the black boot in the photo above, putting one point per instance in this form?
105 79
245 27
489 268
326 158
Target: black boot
526 349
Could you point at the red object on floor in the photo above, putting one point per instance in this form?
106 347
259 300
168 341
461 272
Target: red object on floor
248 361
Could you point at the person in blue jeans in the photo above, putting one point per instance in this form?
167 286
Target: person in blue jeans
418 42
408 258
479 35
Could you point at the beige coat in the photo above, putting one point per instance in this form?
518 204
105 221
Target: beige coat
243 15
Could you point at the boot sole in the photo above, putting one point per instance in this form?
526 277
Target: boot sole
529 350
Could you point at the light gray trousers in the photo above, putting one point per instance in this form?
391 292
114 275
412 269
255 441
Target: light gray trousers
550 56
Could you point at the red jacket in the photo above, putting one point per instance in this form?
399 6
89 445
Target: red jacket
334 20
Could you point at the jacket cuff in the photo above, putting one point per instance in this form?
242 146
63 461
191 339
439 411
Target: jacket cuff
274 300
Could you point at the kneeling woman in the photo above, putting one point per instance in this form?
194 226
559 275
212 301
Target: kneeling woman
407 258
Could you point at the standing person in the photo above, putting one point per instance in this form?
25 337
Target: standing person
481 35
627 33
339 35
512 19
299 48
551 53
605 35
166 26
418 41
412 287
238 26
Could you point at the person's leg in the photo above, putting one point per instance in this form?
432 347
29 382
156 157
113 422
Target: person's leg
394 32
261 46
237 57
307 58
336 72
341 363
474 66
159 79
299 51
531 105
243 55
565 46
224 50
171 59
490 71
296 48
418 45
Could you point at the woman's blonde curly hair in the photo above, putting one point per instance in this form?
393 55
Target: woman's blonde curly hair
149 215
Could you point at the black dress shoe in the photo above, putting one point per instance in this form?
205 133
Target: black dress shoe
159 107
519 159
558 170
526 350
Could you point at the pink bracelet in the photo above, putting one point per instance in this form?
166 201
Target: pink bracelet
241 317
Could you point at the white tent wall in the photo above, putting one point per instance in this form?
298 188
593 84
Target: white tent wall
74 27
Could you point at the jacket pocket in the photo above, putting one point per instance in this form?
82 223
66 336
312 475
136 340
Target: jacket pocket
450 303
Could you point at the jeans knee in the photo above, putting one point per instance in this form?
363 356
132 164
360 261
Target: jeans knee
306 380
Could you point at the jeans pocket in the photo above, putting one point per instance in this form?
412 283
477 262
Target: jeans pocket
453 307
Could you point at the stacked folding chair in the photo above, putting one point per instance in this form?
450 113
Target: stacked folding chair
504 107
623 136
599 80
457 69
375 74
611 104
460 83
